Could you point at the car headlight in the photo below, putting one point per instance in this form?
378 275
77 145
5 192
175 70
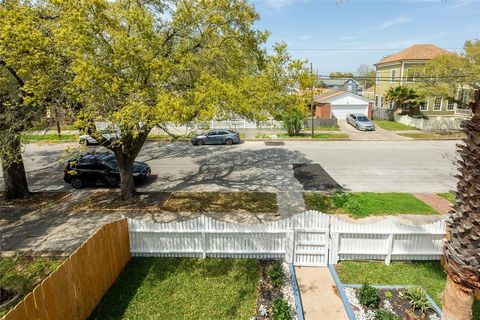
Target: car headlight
136 174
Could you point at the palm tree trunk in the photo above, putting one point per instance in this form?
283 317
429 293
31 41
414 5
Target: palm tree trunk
457 303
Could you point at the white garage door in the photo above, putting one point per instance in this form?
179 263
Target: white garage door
341 111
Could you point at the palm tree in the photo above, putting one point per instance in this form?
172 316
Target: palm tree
462 241
404 99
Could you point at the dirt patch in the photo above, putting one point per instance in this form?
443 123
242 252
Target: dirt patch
313 177
7 295
37 200
195 202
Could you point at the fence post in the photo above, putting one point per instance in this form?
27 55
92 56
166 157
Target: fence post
204 237
388 258
290 245
335 244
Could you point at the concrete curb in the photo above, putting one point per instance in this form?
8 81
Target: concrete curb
296 292
338 283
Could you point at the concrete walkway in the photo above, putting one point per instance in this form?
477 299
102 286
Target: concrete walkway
320 298
442 205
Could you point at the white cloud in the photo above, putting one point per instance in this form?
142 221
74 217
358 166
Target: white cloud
276 4
387 24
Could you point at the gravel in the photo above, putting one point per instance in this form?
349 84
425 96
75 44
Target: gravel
360 312
287 290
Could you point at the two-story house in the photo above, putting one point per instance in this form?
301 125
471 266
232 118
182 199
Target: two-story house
396 69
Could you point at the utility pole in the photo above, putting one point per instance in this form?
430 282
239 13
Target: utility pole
312 102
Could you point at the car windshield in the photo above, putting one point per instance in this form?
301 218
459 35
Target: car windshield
362 119
109 160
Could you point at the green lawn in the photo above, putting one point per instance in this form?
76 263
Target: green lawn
450 196
438 135
176 288
428 274
23 274
50 137
364 204
392 125
336 128
315 136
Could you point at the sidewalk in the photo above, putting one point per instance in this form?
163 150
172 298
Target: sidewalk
443 206
319 295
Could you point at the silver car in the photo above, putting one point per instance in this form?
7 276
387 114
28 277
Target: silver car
360 121
218 136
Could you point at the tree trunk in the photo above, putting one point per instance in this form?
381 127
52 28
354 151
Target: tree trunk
14 175
127 187
457 301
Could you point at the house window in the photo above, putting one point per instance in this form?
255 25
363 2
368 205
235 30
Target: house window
393 75
390 105
381 102
450 105
437 105
376 101
409 73
424 106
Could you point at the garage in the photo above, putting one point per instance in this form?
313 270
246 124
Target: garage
341 111
338 104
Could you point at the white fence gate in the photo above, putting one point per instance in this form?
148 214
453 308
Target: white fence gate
308 239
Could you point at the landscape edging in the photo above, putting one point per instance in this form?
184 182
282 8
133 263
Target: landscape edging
296 292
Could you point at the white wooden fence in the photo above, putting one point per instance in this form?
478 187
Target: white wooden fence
308 239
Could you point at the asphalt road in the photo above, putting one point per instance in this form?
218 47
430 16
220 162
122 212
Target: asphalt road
379 166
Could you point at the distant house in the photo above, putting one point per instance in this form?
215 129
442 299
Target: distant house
350 85
396 69
338 104
369 93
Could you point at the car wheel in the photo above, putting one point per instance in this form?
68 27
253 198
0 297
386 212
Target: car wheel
200 142
229 141
357 127
77 183
84 142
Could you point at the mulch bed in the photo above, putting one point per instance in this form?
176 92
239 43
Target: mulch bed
396 303
267 293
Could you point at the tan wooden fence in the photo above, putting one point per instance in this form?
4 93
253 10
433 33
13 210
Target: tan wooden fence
75 288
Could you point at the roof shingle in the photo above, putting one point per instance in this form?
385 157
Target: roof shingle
415 52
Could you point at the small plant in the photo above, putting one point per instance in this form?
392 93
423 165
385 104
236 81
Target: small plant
388 294
418 299
340 198
276 274
368 296
383 314
281 310
263 310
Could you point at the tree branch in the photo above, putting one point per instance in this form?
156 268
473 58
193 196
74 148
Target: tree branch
13 73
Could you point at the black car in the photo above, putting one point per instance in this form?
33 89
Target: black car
100 169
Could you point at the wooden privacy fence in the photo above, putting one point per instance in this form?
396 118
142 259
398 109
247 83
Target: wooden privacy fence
308 239
75 288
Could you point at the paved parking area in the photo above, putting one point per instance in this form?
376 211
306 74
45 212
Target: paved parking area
378 135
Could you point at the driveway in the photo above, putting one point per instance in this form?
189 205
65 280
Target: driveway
379 134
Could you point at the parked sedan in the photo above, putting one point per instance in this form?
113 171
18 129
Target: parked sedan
360 121
221 136
99 169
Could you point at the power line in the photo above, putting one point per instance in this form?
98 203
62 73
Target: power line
355 49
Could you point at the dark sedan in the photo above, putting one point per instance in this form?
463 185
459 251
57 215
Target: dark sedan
100 169
219 136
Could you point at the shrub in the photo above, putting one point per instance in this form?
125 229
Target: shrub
383 314
388 294
340 198
276 274
292 121
281 310
368 296
418 299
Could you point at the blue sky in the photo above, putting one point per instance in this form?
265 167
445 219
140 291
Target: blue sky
306 25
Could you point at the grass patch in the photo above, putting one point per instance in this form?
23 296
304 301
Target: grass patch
36 200
428 274
176 288
194 202
332 128
450 196
315 136
50 137
166 137
364 204
437 135
23 273
392 125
